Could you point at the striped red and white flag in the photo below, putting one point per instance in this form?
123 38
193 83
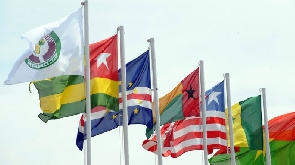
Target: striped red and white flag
187 135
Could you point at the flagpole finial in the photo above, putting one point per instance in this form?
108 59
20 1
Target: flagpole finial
150 40
120 28
200 62
225 74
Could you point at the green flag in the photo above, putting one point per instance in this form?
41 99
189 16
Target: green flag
282 145
247 123
61 96
244 157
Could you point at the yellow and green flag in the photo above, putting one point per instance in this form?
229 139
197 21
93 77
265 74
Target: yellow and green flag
65 95
247 123
281 141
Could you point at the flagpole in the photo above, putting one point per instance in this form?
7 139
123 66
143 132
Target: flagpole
87 81
156 101
85 150
230 121
203 108
124 96
268 157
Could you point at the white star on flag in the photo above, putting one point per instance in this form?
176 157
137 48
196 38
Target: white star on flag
102 58
213 96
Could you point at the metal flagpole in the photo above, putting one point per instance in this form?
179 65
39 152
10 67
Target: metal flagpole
156 101
203 108
85 151
124 96
268 157
87 80
230 121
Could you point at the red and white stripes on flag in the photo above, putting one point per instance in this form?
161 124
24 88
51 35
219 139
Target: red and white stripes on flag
187 135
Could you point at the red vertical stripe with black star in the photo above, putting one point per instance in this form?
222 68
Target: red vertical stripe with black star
190 94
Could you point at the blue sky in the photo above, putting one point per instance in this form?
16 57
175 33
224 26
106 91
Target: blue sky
251 40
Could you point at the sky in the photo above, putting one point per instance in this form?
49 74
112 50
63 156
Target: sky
251 40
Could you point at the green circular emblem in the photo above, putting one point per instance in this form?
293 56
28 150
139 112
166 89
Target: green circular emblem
46 52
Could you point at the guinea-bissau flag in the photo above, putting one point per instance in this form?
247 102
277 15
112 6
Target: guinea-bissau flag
281 141
65 96
182 101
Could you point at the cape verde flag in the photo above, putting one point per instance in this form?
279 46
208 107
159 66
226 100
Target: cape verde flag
139 102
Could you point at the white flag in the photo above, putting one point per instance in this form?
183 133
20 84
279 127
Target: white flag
55 49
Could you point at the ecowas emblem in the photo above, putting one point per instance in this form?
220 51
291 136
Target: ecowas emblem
46 52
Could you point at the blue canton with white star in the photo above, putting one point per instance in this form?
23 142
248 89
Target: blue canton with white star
215 98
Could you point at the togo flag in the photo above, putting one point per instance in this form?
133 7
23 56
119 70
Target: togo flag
55 49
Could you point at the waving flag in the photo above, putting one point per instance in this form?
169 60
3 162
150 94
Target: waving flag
247 123
104 77
139 102
281 141
65 95
55 49
182 101
187 135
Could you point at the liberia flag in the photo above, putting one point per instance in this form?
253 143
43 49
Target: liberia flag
187 135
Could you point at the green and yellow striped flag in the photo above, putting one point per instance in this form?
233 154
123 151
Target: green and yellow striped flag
247 123
65 95
281 141
61 96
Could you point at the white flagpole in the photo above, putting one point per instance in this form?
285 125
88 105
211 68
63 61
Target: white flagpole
268 157
87 80
85 151
124 96
203 108
230 121
156 101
